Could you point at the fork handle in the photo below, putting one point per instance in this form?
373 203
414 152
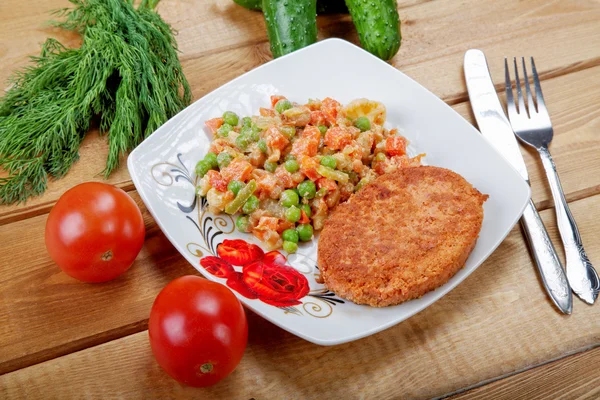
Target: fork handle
547 261
582 276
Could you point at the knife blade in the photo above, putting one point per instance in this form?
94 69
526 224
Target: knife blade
496 128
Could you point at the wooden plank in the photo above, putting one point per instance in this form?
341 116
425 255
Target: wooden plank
238 44
497 322
571 103
45 313
571 100
572 377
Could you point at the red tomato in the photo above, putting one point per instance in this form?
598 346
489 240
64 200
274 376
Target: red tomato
94 232
198 330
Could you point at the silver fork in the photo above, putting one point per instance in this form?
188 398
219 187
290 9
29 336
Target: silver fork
533 127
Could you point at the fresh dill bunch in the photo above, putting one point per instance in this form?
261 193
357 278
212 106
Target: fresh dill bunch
126 73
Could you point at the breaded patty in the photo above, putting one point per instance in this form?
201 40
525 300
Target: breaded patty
401 236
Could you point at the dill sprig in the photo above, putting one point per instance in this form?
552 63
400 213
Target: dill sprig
126 73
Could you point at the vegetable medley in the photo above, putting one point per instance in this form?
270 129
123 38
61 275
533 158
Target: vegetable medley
285 169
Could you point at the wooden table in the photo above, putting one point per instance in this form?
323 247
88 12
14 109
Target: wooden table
495 336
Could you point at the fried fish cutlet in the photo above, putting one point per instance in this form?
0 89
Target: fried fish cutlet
400 237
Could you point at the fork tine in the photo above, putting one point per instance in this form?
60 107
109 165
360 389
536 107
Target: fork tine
510 101
530 103
519 91
541 105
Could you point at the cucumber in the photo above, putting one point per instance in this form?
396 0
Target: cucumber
323 6
378 26
250 4
291 24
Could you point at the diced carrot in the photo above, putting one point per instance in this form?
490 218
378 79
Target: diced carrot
216 180
284 224
218 145
330 109
238 169
337 138
308 166
329 184
308 143
285 178
268 223
395 145
266 230
304 218
317 118
266 184
214 124
275 139
267 112
275 99
311 132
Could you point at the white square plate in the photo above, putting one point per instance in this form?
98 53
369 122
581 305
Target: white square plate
162 169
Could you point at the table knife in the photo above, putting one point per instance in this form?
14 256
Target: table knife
496 128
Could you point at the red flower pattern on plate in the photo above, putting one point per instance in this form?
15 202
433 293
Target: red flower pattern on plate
264 276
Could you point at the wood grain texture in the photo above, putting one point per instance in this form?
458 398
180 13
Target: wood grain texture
496 322
572 377
436 35
46 313
77 340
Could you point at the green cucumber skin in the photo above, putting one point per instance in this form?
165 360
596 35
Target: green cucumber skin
250 4
378 26
323 6
291 24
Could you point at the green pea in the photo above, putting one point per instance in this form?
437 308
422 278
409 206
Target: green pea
290 247
251 205
211 158
293 214
252 132
283 105
246 122
290 235
322 129
307 189
289 198
254 135
270 166
329 161
242 142
235 186
362 123
290 157
223 159
306 209
262 145
291 166
295 191
305 232
230 118
380 157
224 130
202 168
242 223
288 131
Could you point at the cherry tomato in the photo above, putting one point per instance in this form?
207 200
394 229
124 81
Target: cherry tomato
198 331
94 232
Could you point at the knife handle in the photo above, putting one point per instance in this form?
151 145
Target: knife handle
582 276
550 268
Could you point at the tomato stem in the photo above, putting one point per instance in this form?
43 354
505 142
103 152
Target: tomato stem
206 368
107 256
